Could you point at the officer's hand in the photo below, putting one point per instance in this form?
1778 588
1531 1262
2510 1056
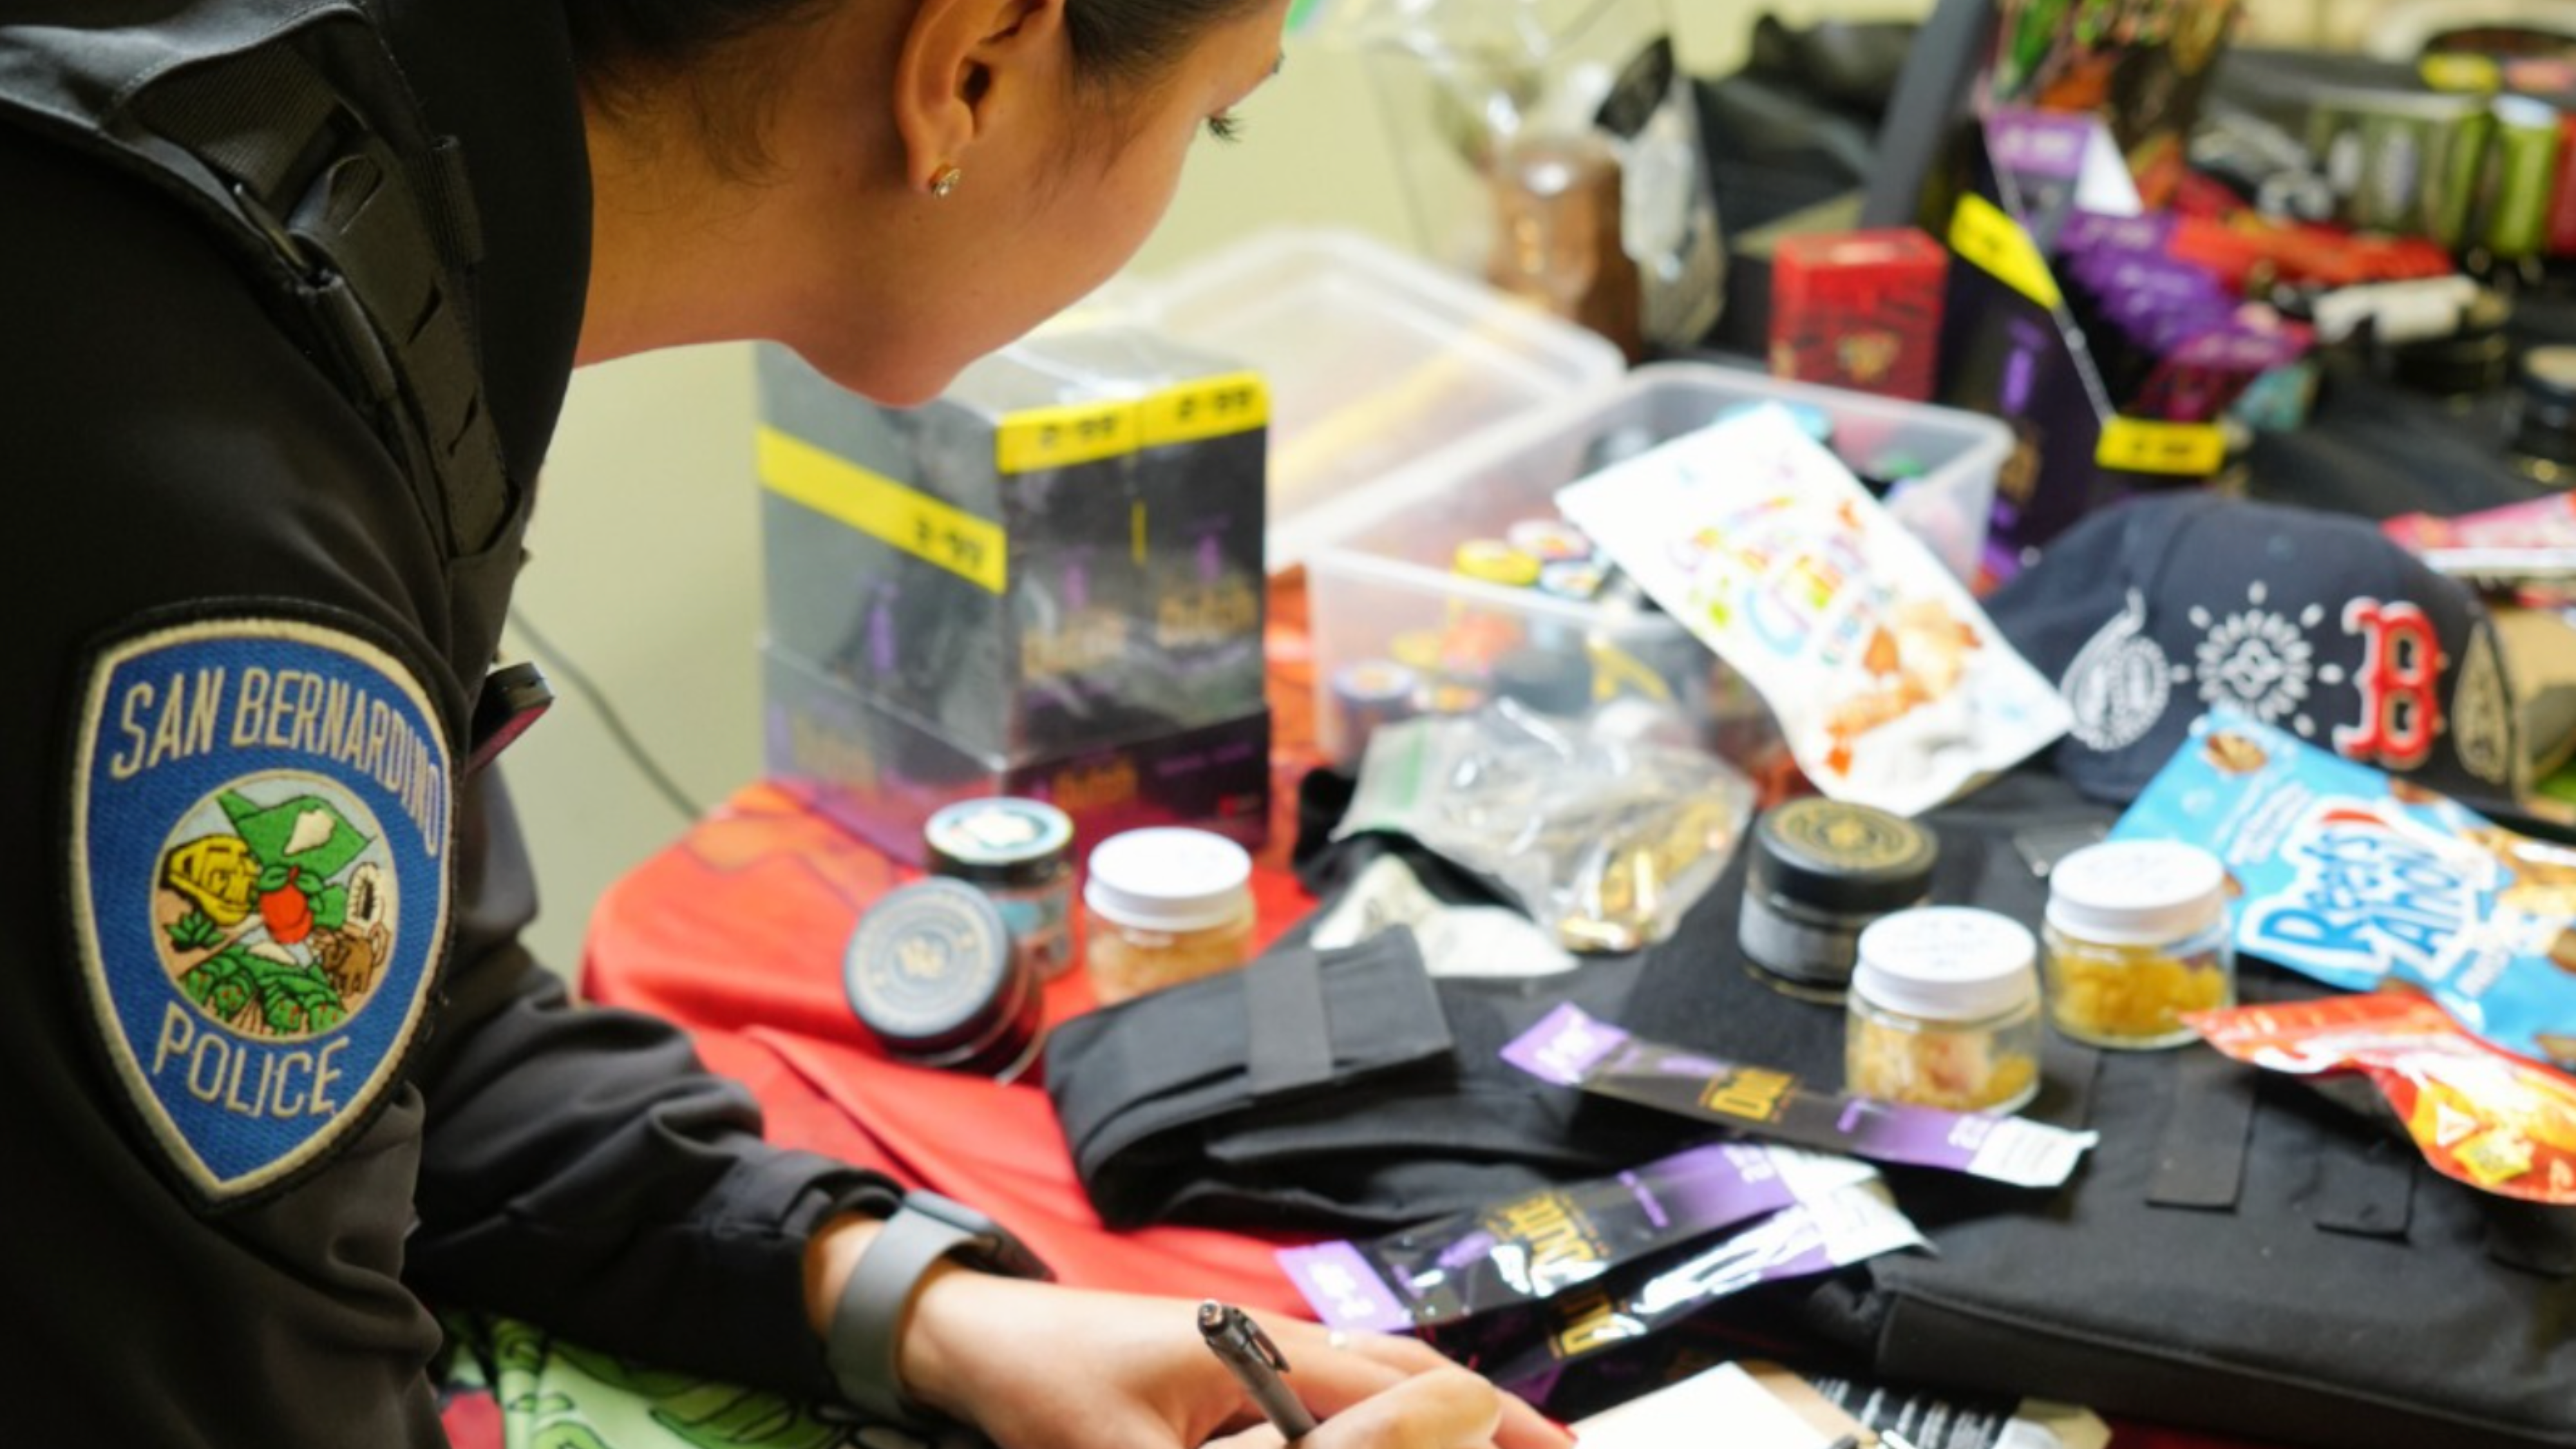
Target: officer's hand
1037 1366
1444 1408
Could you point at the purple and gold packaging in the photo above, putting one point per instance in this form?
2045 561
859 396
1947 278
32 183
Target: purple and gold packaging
1527 1347
1573 1049
1539 1245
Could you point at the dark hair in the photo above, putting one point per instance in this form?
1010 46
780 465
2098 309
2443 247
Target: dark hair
622 47
1118 47
614 40
1123 43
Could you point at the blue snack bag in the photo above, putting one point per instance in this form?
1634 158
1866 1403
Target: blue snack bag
2361 881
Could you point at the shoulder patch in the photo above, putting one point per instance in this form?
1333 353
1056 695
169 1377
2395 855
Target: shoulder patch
260 832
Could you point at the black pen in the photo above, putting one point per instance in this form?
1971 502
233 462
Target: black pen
1256 1363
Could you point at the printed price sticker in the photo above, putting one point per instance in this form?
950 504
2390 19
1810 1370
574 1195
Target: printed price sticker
1994 243
2141 445
1060 437
970 547
1211 407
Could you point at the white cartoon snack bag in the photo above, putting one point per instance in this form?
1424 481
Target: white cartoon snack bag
1888 680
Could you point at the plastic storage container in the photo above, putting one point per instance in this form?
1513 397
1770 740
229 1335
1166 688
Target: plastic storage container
1381 578
1374 359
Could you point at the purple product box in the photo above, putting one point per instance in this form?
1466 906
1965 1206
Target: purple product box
2012 347
1060 554
880 775
2041 143
2044 153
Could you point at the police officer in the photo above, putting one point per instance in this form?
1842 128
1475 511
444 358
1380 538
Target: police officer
274 1069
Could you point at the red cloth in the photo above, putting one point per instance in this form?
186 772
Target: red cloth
736 932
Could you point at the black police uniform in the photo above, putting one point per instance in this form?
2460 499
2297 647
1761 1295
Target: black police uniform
176 462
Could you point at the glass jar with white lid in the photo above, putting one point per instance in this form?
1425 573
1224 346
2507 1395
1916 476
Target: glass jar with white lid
1943 1011
2137 938
1164 905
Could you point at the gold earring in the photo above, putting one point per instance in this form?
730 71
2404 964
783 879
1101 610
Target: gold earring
945 179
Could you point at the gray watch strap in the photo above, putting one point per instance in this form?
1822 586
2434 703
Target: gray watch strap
867 1324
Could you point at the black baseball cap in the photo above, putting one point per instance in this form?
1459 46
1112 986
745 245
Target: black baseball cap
2149 612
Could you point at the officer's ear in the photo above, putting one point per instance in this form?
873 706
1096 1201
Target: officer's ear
968 70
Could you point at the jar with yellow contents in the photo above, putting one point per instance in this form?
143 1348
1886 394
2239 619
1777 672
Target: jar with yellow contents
2137 937
1166 905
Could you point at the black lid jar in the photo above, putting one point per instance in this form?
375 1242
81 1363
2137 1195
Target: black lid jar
999 840
1821 870
1019 853
931 973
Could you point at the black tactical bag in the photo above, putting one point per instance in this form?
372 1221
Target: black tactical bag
2242 1254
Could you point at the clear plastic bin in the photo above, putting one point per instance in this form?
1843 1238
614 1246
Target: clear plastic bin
1374 359
1380 586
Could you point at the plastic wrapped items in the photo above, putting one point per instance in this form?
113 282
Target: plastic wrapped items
1604 837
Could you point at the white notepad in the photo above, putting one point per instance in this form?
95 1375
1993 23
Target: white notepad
1724 1408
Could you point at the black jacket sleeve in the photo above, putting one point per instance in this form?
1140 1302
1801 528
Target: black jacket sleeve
582 1171
172 452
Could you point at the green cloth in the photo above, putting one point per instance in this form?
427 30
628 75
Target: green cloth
555 1395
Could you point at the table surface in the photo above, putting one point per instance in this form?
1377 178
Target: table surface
735 932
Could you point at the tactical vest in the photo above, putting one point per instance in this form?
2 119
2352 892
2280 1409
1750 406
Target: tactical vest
287 128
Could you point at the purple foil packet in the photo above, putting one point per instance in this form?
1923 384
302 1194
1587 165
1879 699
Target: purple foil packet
1573 1049
2136 306
1526 1348
2040 143
2176 326
1538 1245
2117 275
2089 231
2240 347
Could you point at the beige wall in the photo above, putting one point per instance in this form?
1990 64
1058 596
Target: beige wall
646 567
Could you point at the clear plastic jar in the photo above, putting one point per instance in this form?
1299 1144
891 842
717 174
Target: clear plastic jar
1943 1011
2137 936
1164 906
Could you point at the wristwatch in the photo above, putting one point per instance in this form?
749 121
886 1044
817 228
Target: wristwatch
867 1323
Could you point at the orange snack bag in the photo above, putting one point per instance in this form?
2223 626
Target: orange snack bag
2480 1114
